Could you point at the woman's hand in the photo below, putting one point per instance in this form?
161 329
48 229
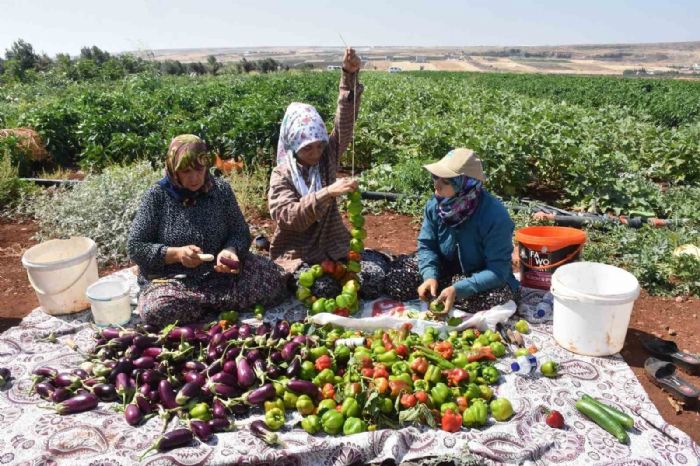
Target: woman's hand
428 289
342 186
187 256
230 255
351 62
448 297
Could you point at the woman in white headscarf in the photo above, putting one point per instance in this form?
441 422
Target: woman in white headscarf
303 186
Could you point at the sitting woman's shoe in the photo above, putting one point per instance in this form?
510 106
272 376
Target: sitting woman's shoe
663 374
668 351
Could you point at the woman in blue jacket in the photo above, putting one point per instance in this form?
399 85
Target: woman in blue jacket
466 241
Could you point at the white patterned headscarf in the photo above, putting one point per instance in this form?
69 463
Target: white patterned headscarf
301 126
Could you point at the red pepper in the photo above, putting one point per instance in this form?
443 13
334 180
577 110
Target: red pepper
328 391
462 403
555 419
397 386
386 339
323 362
422 397
484 352
381 384
402 351
342 312
380 372
408 400
457 376
451 421
419 365
445 349
367 372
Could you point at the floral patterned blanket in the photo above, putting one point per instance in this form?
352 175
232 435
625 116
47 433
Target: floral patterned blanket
33 434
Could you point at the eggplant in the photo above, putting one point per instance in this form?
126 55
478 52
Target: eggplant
170 440
224 378
80 373
282 327
109 363
143 402
304 387
125 387
67 380
260 395
244 373
195 366
274 372
61 394
294 367
230 263
77 404
230 367
216 340
214 368
105 392
253 355
123 366
167 395
144 362
301 339
212 354
47 372
44 390
276 357
92 381
263 329
148 328
215 329
110 333
133 414
232 333
181 333
261 431
219 424
226 391
145 341
259 367
201 429
289 350
240 409
202 337
219 409
245 331
187 392
195 378
132 352
232 353
150 377
151 352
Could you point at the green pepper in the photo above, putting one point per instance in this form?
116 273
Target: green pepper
296 328
490 374
279 388
308 371
476 414
449 405
456 392
403 377
317 352
433 374
229 316
388 357
350 408
521 352
276 403
354 425
386 406
411 340
323 377
274 419
400 367
305 405
497 348
290 400
332 422
259 311
440 393
486 392
200 411
362 352
501 409
421 385
311 424
325 405
460 360
472 391
341 353
469 334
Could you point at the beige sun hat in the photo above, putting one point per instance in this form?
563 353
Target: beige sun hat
458 162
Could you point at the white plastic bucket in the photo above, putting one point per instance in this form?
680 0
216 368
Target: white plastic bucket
110 301
60 270
592 307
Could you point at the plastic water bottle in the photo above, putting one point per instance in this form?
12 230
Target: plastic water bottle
524 365
545 306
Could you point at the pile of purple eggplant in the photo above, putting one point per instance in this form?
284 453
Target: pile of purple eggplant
202 373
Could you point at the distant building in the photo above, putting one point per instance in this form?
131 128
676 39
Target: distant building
421 59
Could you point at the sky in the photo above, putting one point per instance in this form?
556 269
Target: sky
54 26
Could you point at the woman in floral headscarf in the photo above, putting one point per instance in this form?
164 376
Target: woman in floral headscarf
185 215
303 186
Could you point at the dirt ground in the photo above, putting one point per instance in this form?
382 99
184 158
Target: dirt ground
675 319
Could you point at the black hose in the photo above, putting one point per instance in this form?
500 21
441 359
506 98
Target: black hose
47 182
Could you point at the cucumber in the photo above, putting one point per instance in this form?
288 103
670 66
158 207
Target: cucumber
622 418
602 418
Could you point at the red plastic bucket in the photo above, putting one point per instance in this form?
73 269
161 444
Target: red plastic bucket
543 249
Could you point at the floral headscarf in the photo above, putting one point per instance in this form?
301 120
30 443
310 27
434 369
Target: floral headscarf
301 126
186 151
456 209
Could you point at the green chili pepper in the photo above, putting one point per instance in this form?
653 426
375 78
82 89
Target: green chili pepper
229 316
433 374
350 408
311 424
308 371
200 411
388 357
354 425
460 360
440 393
332 422
436 358
274 419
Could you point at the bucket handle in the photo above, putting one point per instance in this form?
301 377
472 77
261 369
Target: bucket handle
557 264
42 292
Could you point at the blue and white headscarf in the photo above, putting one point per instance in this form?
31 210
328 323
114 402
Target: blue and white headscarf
456 209
301 126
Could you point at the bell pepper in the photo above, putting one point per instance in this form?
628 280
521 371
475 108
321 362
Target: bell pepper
381 384
342 354
421 385
449 405
387 357
354 425
483 339
398 386
476 414
440 393
332 422
501 409
323 377
469 334
460 360
317 352
308 371
445 349
497 348
362 352
403 377
305 405
274 419
482 353
433 374
311 424
429 335
472 392
352 390
423 397
378 348
323 362
400 367
419 365
408 400
201 412
462 403
350 408
457 376
451 421
436 358
229 316
328 391
402 351
379 371
490 374
325 405
486 392
296 328
290 400
276 403
386 406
